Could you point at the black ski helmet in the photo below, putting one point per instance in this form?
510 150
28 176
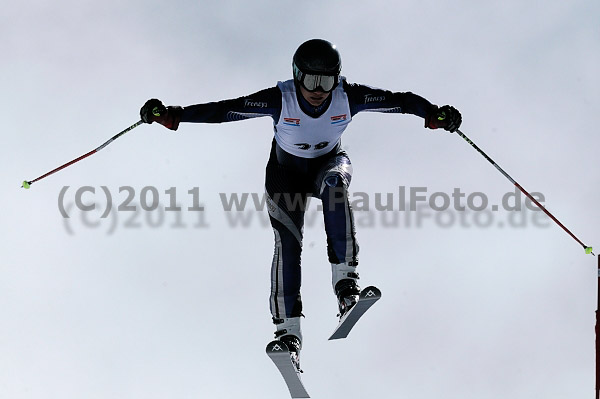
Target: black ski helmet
316 57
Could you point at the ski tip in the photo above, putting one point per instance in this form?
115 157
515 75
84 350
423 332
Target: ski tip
371 292
277 346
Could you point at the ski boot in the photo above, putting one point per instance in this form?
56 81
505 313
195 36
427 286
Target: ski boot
289 332
346 289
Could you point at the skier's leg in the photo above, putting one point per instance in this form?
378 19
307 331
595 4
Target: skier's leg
286 302
339 226
332 184
286 208
285 299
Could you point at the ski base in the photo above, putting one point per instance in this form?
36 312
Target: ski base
280 355
367 298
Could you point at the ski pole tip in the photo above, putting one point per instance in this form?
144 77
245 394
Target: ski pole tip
26 184
589 250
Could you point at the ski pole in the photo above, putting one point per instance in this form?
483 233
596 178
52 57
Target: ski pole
597 336
26 184
588 250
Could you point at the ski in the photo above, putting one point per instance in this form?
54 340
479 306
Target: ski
280 355
367 298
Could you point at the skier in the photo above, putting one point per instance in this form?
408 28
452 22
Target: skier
310 112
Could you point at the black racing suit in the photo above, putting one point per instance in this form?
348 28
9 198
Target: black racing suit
291 179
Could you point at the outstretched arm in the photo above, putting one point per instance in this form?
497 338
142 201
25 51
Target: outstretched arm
366 98
262 103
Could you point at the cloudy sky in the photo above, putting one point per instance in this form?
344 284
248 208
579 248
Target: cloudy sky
167 304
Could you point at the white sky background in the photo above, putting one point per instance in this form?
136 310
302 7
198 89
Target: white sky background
163 312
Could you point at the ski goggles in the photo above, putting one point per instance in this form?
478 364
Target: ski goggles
310 82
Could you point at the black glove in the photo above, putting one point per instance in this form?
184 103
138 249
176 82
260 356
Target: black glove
445 117
155 111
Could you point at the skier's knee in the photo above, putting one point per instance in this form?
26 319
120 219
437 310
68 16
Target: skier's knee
334 189
336 180
333 181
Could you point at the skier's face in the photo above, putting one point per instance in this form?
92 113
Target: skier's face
314 98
